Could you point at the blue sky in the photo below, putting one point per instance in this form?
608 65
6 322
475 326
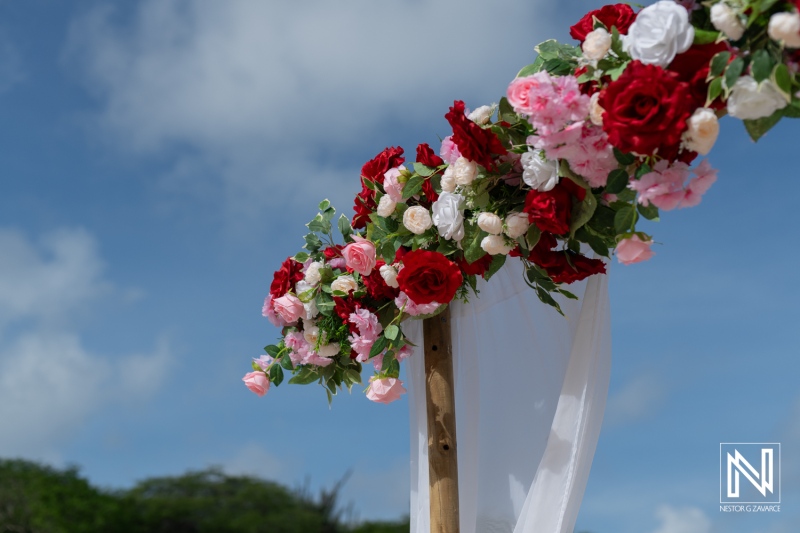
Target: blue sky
159 160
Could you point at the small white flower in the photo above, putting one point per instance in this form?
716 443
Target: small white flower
785 27
481 115
597 44
595 110
539 173
495 244
490 223
344 284
517 224
312 275
448 215
386 206
661 31
448 180
417 220
464 171
751 100
725 19
702 131
389 275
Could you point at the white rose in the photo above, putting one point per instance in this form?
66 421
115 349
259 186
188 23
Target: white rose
751 100
495 244
329 350
595 110
448 215
539 173
417 220
344 284
727 20
389 275
302 286
312 276
490 223
311 310
464 171
311 334
661 31
785 27
597 44
517 224
702 131
386 206
481 115
448 180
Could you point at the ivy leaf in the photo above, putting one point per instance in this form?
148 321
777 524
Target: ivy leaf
505 111
582 213
533 68
761 66
783 80
617 181
391 332
424 170
714 90
532 236
344 227
497 263
705 36
301 257
758 127
324 204
718 63
733 72
313 244
472 240
352 376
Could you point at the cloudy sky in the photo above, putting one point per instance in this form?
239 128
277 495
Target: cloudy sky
159 159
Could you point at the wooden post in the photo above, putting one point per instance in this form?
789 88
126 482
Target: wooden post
440 394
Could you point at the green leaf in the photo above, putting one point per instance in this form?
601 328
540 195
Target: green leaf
301 257
650 212
552 49
623 158
625 219
473 236
352 376
597 244
783 80
304 377
388 250
532 236
319 224
718 63
506 112
412 187
446 247
558 67
313 243
276 375
545 297
379 346
615 72
286 362
761 66
391 332
497 263
324 204
344 227
642 170
714 90
758 127
582 213
733 72
369 184
617 181
272 350
705 36
531 69
424 170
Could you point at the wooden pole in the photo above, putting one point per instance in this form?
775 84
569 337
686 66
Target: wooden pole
442 450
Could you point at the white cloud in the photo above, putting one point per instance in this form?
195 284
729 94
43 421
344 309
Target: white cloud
682 520
634 401
259 97
254 459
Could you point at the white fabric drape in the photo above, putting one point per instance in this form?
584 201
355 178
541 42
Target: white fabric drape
531 387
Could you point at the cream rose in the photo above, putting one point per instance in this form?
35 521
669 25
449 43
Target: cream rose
597 44
595 110
481 115
449 180
386 206
661 31
517 224
702 131
389 275
785 27
726 19
312 276
490 223
495 244
752 100
344 284
464 171
417 220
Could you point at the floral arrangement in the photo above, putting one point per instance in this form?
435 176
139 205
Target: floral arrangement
588 140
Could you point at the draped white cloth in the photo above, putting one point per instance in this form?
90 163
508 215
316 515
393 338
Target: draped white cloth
531 388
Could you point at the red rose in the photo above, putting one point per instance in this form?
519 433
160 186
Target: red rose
427 157
332 252
377 287
344 307
285 278
592 86
373 170
550 210
693 65
568 267
619 15
646 110
474 142
429 277
478 268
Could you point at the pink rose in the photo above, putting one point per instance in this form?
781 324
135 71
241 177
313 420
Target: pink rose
392 185
634 250
257 382
263 362
360 255
269 311
385 390
449 150
518 94
289 308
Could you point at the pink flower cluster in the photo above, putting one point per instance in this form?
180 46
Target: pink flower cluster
549 102
664 186
385 390
449 150
369 328
584 146
301 352
411 309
